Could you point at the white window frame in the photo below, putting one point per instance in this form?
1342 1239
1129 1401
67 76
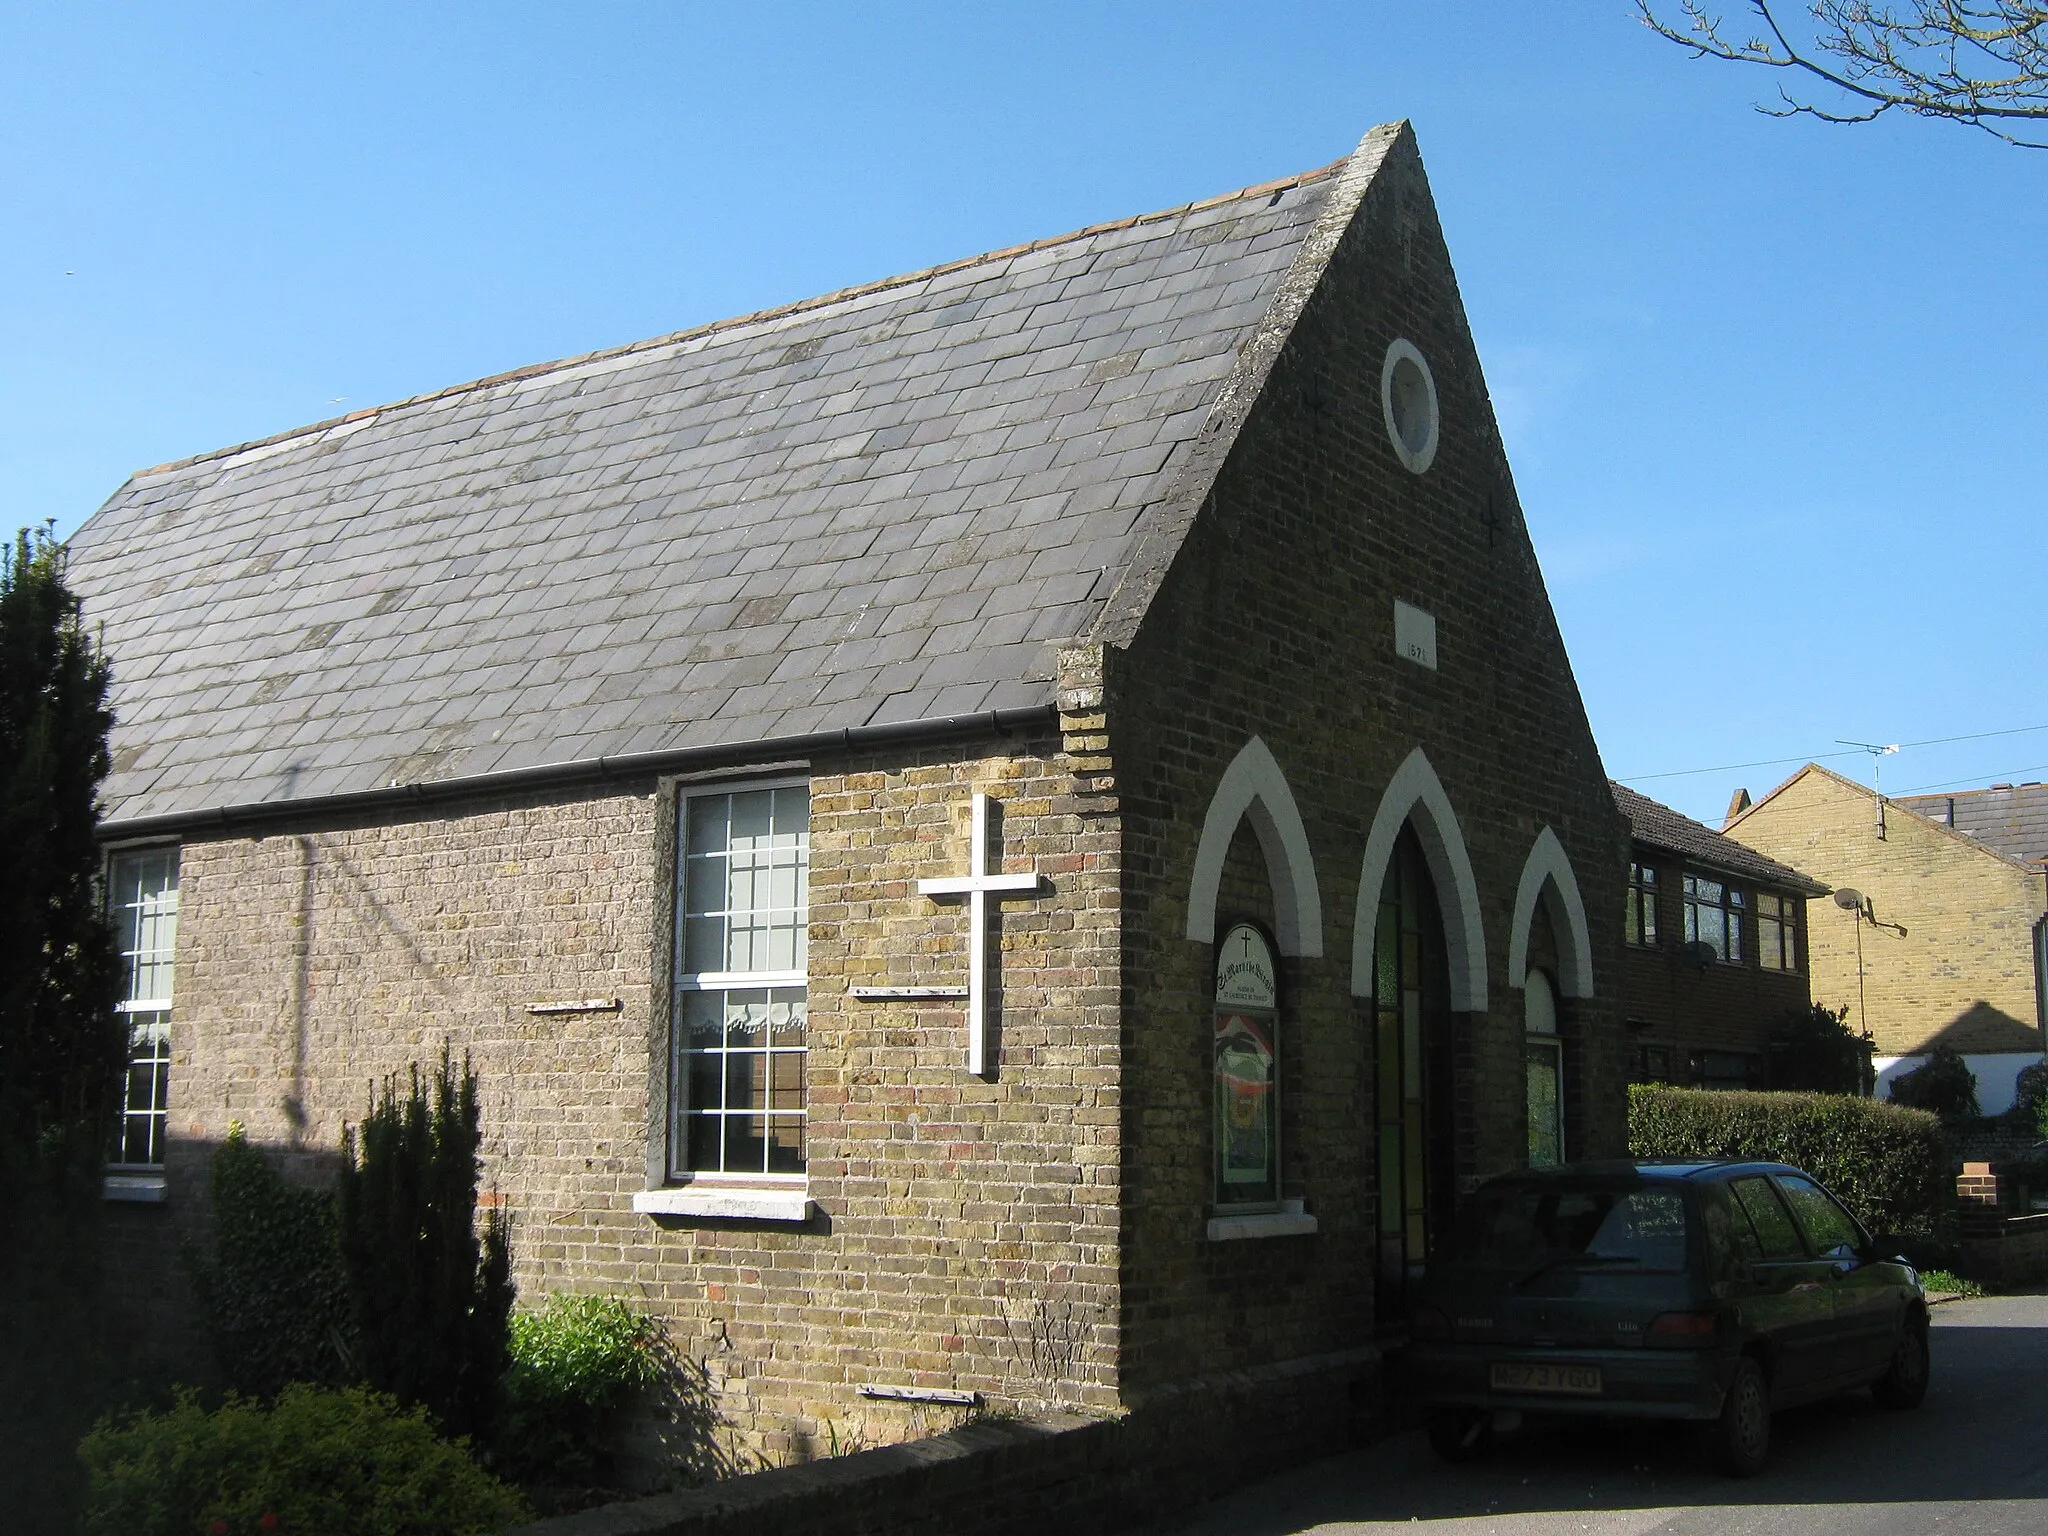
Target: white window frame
130 1180
676 1188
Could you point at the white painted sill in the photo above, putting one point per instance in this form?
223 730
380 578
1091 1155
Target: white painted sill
727 1204
134 1188
1289 1221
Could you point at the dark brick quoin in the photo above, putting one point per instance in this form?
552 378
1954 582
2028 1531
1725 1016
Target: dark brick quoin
1119 546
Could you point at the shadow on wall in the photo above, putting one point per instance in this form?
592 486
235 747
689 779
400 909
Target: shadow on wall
1994 1045
1983 1030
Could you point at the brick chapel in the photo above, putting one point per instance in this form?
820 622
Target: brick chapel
1014 834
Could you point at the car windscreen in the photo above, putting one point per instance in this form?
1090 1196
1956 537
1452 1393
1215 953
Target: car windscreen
1556 1224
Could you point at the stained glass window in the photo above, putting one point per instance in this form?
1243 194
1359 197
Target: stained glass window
1245 1054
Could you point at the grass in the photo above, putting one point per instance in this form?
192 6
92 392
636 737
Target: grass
1948 1280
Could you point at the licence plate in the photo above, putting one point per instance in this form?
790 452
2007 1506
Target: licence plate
1571 1380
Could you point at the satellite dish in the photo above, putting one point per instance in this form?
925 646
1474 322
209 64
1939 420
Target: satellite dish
1849 900
1699 954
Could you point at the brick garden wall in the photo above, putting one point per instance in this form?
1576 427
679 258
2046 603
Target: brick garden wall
1022 1476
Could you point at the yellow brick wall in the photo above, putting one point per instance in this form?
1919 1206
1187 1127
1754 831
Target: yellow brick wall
1962 974
967 1228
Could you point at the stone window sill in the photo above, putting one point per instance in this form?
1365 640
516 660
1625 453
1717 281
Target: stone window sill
134 1188
793 1205
1289 1221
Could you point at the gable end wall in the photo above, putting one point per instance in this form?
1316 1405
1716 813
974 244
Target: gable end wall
1276 620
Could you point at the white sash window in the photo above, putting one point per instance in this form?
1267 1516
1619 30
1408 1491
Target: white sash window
737 1044
142 902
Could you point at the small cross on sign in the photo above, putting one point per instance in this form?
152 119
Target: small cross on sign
978 886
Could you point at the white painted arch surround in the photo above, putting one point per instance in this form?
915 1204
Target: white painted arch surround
1415 793
1547 876
1253 786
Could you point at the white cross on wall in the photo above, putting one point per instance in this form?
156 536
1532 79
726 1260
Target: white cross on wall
978 886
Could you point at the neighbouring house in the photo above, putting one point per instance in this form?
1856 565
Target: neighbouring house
1714 950
1016 832
1946 945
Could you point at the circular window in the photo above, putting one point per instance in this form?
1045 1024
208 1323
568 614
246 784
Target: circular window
1408 397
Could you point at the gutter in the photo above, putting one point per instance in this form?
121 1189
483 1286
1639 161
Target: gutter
589 770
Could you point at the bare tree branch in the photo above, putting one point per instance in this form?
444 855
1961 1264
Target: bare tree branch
1979 62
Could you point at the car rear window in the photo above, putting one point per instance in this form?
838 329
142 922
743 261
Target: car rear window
1641 1228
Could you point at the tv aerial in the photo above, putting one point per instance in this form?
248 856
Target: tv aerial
1878 753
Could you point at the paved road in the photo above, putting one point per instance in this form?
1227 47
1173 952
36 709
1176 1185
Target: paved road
1973 1459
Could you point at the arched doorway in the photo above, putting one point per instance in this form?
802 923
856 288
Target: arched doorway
1413 1078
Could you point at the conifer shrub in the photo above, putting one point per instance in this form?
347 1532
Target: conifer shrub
319 1462
276 1292
432 1296
62 1045
577 1363
1888 1164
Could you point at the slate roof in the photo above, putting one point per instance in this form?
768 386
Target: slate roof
2010 819
888 504
1658 826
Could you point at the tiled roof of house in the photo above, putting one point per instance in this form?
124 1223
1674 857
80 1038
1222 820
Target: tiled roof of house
888 504
1658 826
2011 819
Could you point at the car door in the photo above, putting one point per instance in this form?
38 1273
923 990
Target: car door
1867 1303
1790 1304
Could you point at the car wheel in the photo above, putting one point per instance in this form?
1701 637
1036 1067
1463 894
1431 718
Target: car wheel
1904 1382
1741 1437
1459 1434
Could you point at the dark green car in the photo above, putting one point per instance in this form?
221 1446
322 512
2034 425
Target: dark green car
1715 1292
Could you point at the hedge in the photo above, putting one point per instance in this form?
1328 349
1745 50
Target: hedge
318 1462
1887 1164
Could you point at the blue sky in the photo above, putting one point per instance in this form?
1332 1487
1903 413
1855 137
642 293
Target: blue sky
1772 390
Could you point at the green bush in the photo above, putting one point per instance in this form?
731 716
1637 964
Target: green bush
275 1292
321 1462
1814 1050
1943 1085
575 1364
2030 1097
1888 1165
